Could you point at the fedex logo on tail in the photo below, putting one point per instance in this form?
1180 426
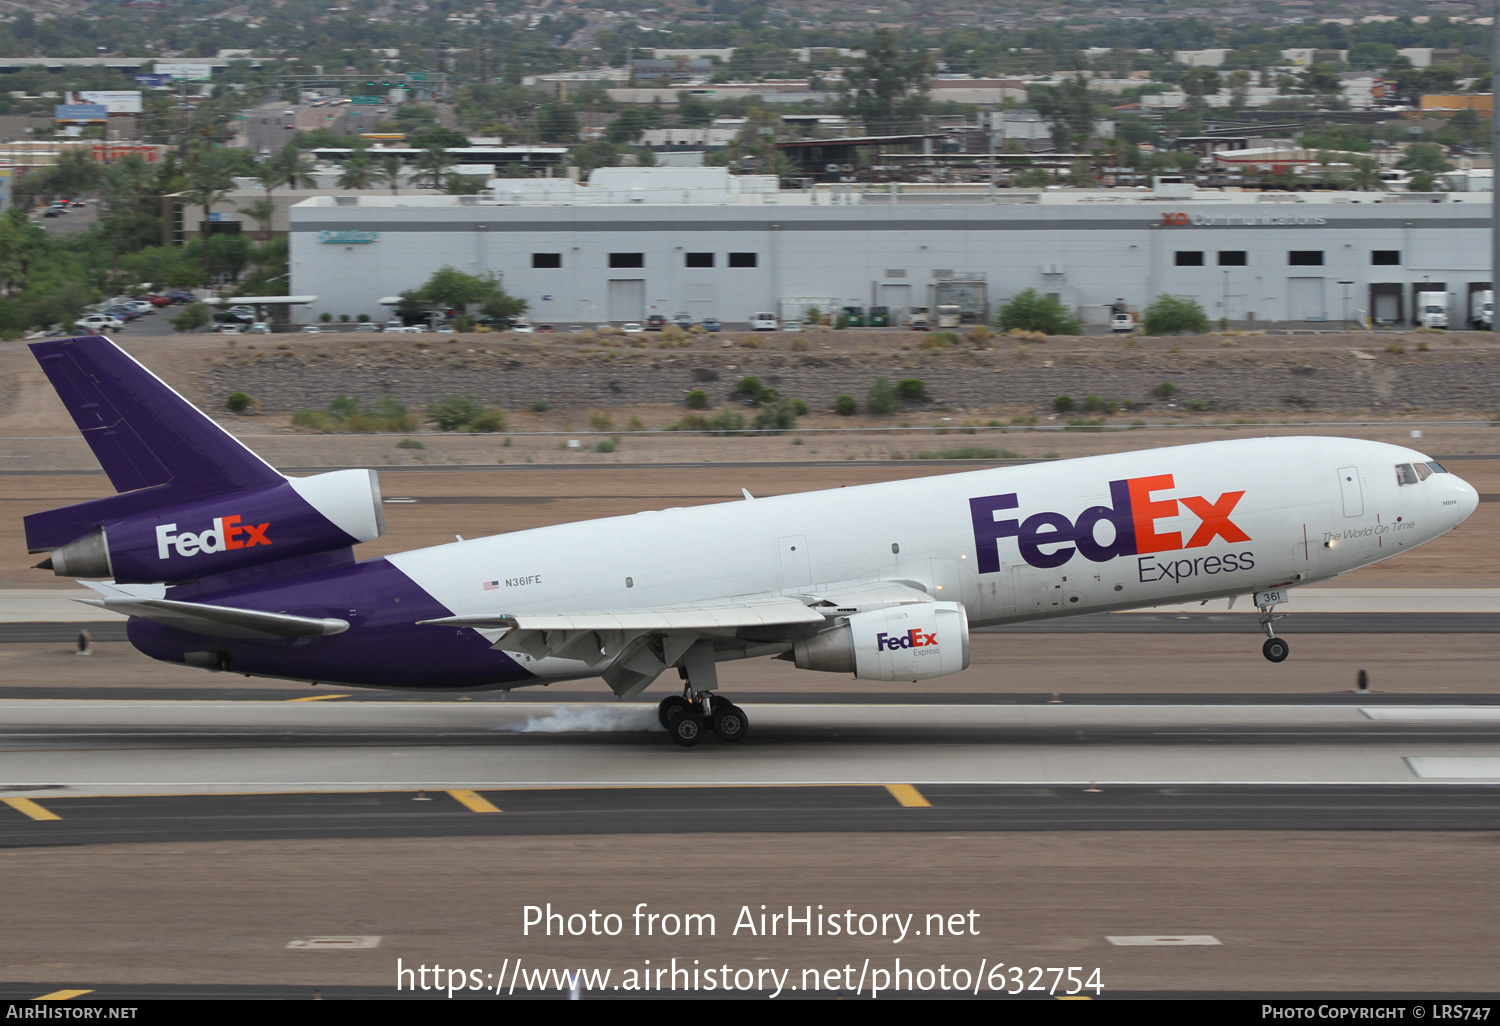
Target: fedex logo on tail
227 533
1051 539
911 639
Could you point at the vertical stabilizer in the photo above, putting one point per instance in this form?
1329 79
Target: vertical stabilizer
142 432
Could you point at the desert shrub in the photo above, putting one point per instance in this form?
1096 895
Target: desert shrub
606 445
777 416
911 390
845 406
882 400
799 407
1092 403
1196 404
1165 390
726 422
325 317
193 317
1063 403
540 406
697 399
453 412
489 419
1174 315
799 344
345 415
364 319
971 452
1032 311
600 421
463 322
411 443
238 402
979 336
937 340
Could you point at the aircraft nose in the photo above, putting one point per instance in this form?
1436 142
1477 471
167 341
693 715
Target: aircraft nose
1467 496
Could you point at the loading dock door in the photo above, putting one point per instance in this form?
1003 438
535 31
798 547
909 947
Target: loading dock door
897 299
627 299
1385 303
1305 299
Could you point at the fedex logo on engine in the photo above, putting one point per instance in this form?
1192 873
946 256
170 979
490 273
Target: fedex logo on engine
225 534
1051 539
911 639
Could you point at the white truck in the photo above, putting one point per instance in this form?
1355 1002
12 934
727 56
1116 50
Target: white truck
1482 310
1432 309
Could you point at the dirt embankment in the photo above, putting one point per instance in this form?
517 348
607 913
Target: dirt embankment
1375 373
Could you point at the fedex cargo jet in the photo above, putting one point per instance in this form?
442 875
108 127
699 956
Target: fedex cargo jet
224 563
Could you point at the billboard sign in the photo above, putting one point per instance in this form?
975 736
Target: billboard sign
153 81
6 171
80 113
117 101
186 72
367 101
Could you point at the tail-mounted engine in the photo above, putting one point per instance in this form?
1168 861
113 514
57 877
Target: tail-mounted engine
296 517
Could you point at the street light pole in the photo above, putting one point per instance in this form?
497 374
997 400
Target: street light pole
1494 149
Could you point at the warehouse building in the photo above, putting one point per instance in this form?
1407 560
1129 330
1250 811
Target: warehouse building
640 241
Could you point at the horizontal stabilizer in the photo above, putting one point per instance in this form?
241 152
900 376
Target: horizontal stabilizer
756 613
222 621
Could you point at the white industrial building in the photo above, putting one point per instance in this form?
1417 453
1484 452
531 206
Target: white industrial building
640 241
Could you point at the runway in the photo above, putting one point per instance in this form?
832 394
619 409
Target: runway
107 771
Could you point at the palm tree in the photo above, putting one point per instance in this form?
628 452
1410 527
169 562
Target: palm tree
1366 175
262 210
433 166
359 172
208 182
387 169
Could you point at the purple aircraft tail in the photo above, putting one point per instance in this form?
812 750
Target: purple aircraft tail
156 447
193 502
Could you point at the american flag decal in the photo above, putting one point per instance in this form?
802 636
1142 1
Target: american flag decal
491 585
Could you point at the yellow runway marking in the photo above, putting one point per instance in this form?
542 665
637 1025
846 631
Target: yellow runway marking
316 698
473 801
908 796
27 807
62 995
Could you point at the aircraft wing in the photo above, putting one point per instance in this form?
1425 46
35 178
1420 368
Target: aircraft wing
766 612
221 621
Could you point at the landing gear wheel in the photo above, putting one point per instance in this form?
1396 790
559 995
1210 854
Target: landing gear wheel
1275 649
730 722
686 728
670 708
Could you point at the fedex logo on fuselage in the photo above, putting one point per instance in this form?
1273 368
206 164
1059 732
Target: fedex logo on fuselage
225 534
1051 539
911 639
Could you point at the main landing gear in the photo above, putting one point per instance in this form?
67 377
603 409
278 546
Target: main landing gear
697 710
1275 649
688 717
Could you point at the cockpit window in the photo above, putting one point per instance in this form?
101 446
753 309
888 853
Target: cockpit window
1423 471
1437 468
1405 474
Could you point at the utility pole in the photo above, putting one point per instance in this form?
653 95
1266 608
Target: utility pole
1494 149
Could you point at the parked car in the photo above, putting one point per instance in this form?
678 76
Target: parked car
229 329
412 329
574 329
763 322
311 329
140 306
156 300
180 296
546 327
99 322
632 328
259 328
682 320
1122 324
124 313
601 327
522 328
710 324
366 326
53 212
791 325
394 326
655 322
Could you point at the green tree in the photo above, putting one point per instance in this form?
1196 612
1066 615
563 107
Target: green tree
627 128
1174 315
1032 311
261 211
358 172
192 317
885 76
433 165
1365 175
1425 161
882 399
387 169
209 180
446 138
557 122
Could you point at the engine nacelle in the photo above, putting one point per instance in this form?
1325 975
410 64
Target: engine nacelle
909 642
298 517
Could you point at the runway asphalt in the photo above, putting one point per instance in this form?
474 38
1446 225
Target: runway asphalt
77 772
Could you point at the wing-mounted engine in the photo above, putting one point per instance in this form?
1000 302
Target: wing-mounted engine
913 641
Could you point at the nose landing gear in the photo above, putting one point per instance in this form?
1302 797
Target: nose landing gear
690 715
1275 649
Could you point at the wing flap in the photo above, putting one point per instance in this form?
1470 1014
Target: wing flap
767 612
222 621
